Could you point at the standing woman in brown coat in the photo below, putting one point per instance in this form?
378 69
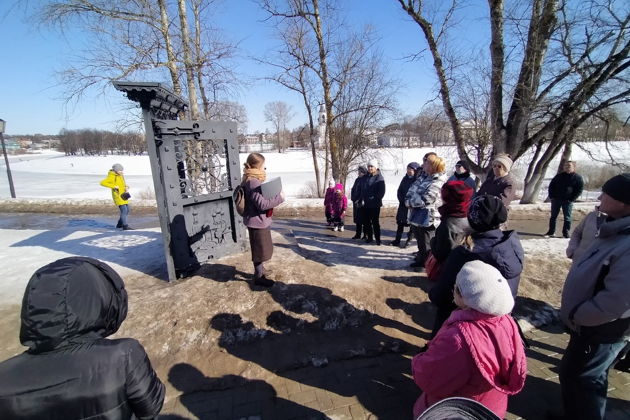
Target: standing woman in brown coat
257 217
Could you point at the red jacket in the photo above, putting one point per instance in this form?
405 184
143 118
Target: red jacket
475 356
328 200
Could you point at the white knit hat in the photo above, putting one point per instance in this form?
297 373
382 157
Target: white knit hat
484 289
117 167
373 162
504 160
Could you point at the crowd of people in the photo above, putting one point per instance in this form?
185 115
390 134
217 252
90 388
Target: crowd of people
476 351
475 262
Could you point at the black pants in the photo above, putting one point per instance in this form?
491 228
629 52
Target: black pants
400 230
359 217
567 210
372 224
423 235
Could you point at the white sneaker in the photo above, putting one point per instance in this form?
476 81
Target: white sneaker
335 228
341 229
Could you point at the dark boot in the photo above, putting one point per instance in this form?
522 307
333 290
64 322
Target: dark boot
127 227
566 227
263 281
399 232
119 225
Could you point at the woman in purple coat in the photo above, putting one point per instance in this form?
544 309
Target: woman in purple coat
257 217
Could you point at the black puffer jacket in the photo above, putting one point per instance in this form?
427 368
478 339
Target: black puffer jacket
373 190
71 371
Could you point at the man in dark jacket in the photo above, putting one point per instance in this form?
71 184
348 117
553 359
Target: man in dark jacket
373 193
595 308
564 189
70 370
356 196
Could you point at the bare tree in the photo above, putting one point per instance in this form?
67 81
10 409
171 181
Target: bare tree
279 114
293 74
309 12
130 38
350 74
573 62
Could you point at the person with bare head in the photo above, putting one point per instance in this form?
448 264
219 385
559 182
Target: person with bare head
564 189
422 200
258 215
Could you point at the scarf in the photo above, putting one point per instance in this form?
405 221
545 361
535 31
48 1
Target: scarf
259 174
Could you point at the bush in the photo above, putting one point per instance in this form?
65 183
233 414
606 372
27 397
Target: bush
147 194
309 190
595 175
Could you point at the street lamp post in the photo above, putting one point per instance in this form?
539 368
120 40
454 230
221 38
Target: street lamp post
6 159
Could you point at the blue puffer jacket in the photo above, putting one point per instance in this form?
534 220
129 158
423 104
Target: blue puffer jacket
500 249
503 250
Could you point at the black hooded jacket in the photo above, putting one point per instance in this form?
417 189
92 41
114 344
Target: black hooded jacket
71 371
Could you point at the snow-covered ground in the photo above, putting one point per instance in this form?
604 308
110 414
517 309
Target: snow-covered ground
59 177
54 175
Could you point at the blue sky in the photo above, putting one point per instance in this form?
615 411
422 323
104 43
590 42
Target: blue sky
31 94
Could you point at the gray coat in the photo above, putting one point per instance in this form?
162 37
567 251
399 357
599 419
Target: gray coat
597 291
584 234
425 193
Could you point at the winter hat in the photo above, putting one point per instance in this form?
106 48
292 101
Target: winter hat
618 187
373 163
339 187
456 196
331 183
414 165
486 212
463 164
504 160
484 289
117 167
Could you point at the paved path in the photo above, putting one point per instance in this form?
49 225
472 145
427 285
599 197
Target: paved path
383 383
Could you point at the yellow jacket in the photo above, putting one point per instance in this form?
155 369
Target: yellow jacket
114 180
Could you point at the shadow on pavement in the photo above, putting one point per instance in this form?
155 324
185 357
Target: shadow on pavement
316 329
231 396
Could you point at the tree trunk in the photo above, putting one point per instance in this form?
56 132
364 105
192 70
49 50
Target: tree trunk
188 63
534 183
170 53
199 62
566 156
328 102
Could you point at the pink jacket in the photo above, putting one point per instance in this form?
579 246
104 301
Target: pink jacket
474 355
339 202
328 200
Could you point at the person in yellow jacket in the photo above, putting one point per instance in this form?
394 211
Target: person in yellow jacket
116 181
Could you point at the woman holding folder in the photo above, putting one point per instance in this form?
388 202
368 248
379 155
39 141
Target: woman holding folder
258 215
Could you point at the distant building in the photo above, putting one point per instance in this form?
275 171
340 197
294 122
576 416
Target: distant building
255 143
